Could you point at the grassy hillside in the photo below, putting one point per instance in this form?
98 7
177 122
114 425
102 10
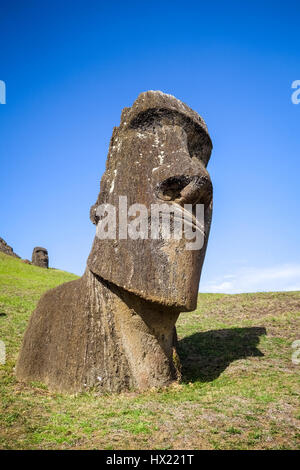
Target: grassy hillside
240 388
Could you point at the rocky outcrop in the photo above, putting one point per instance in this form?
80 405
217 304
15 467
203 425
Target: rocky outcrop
5 248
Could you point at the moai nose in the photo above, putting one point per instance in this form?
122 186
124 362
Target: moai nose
197 191
186 190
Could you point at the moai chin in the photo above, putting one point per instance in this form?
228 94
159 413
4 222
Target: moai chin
114 328
40 257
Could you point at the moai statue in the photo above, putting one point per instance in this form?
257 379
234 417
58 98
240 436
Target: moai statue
114 328
40 257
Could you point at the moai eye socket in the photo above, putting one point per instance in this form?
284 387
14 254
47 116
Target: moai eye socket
170 189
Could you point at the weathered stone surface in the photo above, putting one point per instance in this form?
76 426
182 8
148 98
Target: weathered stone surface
40 257
115 327
5 248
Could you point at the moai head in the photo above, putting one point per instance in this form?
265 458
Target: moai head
157 156
40 257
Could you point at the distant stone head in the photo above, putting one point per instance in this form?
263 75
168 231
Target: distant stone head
40 257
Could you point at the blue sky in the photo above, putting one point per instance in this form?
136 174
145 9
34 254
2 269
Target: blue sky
70 67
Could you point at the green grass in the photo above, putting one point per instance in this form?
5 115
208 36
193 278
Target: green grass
239 390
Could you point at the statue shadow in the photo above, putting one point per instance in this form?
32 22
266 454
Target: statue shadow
204 356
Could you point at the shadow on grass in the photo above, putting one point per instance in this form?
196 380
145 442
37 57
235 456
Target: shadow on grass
204 356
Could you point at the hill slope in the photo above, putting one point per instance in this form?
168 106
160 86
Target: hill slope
240 388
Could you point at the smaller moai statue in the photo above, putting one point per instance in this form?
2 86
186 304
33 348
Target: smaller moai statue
40 257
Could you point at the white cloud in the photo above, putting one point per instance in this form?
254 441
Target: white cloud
276 278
